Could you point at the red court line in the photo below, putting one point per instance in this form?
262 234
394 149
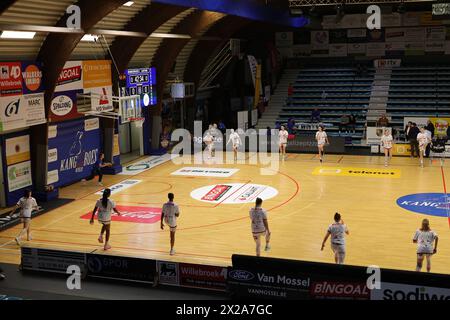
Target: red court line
445 190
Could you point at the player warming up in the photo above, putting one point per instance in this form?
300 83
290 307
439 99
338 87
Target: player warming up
236 141
423 140
386 143
283 137
424 237
169 215
260 226
337 231
209 141
322 139
27 204
104 206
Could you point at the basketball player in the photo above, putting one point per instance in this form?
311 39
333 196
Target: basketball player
322 139
209 141
105 206
423 140
236 140
27 204
283 137
386 143
98 169
424 238
260 226
337 231
170 213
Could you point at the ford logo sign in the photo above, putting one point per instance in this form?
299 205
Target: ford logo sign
241 275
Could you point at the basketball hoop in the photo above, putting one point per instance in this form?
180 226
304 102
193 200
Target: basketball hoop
138 121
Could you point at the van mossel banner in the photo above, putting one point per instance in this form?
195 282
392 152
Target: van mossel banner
77 148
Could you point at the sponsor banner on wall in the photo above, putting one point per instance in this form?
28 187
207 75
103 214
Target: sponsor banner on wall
435 47
32 77
357 35
205 172
395 34
339 290
233 193
168 273
374 134
376 49
70 77
52 176
203 276
338 36
78 146
284 39
116 146
387 64
17 149
441 125
119 187
121 268
435 33
64 106
391 20
10 79
19 176
406 292
375 35
356 49
101 98
395 48
133 214
96 74
301 50
420 121
411 19
52 155
18 112
338 50
416 34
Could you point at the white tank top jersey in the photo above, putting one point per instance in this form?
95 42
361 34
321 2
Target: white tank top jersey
258 215
321 137
235 139
104 214
422 139
208 139
425 240
26 206
171 211
337 231
283 136
386 141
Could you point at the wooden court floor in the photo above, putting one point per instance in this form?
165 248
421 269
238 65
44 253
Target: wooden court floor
210 232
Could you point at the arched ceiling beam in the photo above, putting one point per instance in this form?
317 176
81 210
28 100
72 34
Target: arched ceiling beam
147 21
5 4
57 48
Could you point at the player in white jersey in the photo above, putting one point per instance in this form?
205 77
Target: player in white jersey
236 140
209 141
105 207
424 237
27 204
386 143
423 140
170 213
283 138
337 231
260 226
322 139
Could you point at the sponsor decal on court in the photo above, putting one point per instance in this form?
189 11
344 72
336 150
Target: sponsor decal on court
202 276
205 172
168 273
339 290
133 214
357 172
396 291
119 187
433 204
233 193
145 164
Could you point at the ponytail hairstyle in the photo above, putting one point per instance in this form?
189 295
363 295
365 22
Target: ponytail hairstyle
27 193
106 194
425 225
337 217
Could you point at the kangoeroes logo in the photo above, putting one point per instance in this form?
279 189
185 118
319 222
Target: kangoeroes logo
133 214
433 204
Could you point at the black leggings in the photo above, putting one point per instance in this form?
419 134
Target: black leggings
96 171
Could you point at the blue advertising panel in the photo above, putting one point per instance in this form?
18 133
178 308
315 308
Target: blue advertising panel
73 150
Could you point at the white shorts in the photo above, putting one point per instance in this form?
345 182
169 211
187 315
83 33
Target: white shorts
236 146
338 248
258 235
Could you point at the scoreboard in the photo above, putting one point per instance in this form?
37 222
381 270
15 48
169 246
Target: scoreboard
142 82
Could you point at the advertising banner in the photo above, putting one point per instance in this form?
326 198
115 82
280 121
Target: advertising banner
406 292
10 79
338 36
356 49
320 41
64 106
338 50
32 77
374 134
18 112
376 49
357 35
101 100
121 268
395 34
19 176
203 276
387 64
168 273
17 149
70 77
96 74
375 35
441 125
77 145
414 48
284 39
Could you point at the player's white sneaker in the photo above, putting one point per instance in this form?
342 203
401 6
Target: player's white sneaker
172 252
267 248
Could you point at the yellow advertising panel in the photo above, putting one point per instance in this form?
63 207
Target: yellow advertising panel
403 149
97 73
357 172
17 149
440 125
116 149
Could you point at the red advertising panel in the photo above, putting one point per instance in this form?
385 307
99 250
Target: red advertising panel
203 277
10 79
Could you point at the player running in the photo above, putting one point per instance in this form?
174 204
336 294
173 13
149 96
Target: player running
424 237
27 204
386 143
170 213
104 206
322 139
337 231
260 226
209 141
423 140
236 140
283 137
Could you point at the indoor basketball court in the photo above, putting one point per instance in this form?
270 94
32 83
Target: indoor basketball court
301 198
